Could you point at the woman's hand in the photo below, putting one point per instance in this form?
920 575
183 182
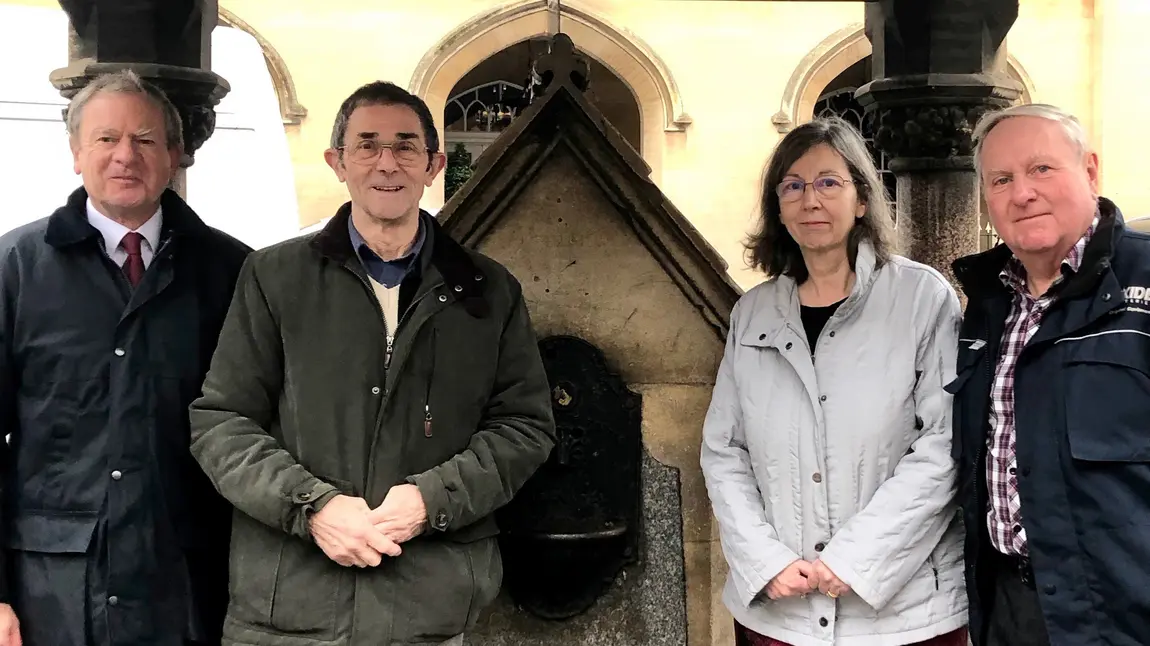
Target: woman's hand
796 580
828 583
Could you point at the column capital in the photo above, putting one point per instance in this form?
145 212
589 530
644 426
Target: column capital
926 120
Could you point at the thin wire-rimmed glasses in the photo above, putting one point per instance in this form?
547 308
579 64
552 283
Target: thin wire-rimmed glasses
367 151
792 189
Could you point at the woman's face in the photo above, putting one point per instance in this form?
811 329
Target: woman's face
818 200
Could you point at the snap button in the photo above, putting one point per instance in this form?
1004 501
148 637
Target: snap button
1106 297
479 277
823 622
443 298
789 345
113 600
305 496
832 333
459 288
375 390
1050 589
822 398
762 336
441 520
819 547
818 477
119 352
116 475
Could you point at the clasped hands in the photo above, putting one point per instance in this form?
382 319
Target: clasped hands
803 577
351 533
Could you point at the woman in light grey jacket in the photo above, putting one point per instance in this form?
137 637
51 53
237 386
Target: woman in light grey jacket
826 448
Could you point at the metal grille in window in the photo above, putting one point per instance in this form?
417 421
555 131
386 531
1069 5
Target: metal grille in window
842 103
490 107
987 236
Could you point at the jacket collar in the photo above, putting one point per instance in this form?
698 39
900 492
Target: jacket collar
440 251
766 330
865 269
978 274
69 224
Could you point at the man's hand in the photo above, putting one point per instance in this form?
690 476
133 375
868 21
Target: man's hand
344 532
797 579
829 584
9 627
402 516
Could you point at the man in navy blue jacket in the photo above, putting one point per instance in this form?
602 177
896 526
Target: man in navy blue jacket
1052 397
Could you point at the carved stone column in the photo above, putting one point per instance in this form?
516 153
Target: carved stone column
166 42
937 71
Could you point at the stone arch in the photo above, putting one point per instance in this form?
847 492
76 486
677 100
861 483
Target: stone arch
834 55
660 103
290 108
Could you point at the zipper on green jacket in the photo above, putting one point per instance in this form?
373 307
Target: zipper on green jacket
430 378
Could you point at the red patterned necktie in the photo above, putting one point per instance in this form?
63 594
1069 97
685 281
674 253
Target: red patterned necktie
134 265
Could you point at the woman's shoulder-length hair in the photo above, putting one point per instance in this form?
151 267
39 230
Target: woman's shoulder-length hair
771 248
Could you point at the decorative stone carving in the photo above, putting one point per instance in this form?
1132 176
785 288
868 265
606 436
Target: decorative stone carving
564 64
933 116
938 131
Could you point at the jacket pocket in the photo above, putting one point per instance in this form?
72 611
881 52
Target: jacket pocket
441 588
968 364
283 585
1106 392
51 532
308 591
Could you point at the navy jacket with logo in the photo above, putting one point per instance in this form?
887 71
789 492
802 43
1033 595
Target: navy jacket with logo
1082 401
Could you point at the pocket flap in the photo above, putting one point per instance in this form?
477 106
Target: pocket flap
969 356
52 532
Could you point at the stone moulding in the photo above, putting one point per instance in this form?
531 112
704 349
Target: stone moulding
291 110
831 57
675 119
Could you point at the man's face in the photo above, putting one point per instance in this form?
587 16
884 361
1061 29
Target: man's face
1040 189
121 153
385 162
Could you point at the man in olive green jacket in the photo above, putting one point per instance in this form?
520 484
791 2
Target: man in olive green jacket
376 394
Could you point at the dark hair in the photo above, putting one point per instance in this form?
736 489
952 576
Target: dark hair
384 93
771 248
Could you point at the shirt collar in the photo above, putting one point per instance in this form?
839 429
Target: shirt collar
1013 275
113 232
365 254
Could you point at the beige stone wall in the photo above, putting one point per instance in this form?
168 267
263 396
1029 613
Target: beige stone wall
1122 101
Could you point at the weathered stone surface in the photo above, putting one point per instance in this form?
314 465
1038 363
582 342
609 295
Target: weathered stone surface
645 606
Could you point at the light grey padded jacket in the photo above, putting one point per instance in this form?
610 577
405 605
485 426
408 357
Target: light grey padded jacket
844 457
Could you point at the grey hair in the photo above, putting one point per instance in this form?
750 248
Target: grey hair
126 82
1070 124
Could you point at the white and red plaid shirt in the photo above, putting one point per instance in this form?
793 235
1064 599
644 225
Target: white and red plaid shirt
1004 513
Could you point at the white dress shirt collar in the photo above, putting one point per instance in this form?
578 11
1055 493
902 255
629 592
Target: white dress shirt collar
113 232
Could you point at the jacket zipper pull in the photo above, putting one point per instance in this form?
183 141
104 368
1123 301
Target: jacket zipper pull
427 421
390 347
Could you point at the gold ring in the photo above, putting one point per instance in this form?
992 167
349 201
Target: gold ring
832 595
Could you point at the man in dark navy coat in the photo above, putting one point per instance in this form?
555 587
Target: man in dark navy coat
109 313
1052 397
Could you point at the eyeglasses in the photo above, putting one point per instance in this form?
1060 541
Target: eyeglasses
367 151
792 190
